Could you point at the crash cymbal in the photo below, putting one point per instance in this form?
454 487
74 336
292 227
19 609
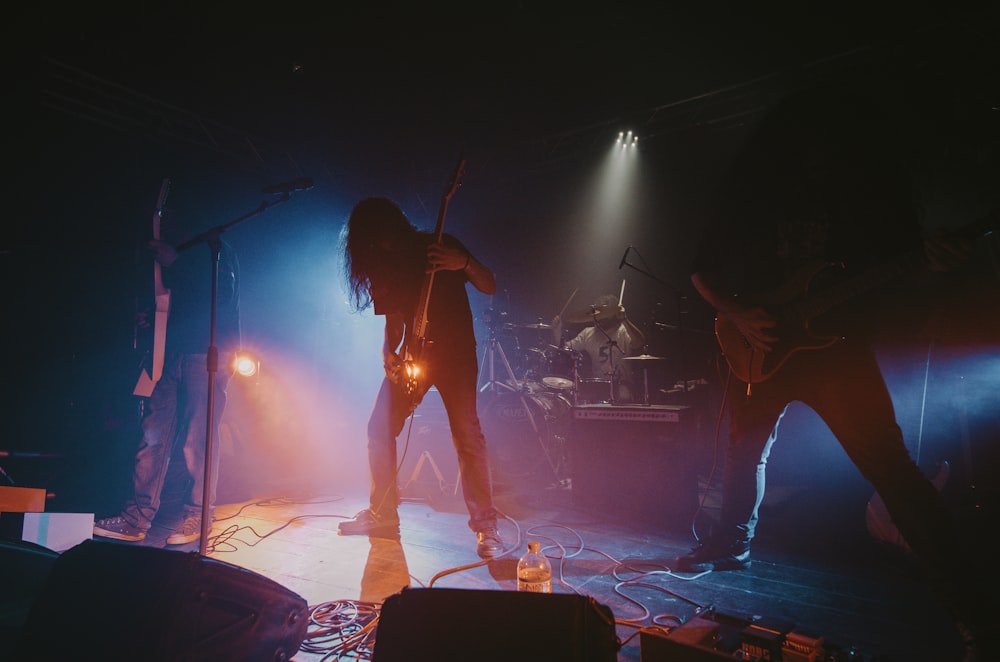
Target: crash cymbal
592 314
539 326
645 357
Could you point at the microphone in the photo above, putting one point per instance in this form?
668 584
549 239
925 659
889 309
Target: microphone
624 256
301 184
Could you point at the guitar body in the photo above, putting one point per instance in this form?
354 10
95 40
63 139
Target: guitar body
150 374
792 331
795 305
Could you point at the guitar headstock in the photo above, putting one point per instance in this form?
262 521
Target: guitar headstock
161 203
456 179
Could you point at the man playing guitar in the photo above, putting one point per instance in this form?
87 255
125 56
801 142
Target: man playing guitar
386 261
814 195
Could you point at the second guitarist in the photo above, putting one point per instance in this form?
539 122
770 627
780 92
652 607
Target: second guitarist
386 260
820 183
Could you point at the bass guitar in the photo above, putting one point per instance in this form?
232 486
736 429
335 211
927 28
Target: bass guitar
795 305
153 361
416 341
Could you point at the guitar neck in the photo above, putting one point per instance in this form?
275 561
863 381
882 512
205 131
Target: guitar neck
814 305
423 302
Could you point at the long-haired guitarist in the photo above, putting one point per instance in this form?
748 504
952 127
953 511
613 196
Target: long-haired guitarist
815 226
386 261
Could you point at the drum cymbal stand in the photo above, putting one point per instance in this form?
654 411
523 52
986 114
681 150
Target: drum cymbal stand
612 345
494 350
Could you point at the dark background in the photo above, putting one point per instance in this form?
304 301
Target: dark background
102 104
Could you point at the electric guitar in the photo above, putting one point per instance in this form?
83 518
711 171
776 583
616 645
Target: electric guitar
794 306
161 296
416 339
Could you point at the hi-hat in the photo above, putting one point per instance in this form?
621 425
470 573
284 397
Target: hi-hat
644 357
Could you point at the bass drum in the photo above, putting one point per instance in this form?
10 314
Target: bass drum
526 434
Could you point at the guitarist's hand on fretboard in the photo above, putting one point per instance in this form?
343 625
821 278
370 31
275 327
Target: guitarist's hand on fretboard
163 253
445 258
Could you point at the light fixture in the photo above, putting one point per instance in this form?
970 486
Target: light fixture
246 365
626 139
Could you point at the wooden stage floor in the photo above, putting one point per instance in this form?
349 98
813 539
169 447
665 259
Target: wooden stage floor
865 601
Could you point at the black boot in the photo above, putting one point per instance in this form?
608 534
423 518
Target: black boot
714 555
365 523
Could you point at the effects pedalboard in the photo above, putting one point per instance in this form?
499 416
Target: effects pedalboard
711 636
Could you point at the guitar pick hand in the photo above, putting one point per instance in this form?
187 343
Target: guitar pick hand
392 365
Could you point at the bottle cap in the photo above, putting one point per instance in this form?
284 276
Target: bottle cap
533 546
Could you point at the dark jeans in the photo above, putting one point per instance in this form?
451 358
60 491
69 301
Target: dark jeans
176 412
844 385
454 375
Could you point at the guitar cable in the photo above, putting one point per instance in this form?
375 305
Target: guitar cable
399 465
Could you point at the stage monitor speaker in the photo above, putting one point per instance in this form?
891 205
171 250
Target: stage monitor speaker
24 568
114 601
634 463
458 625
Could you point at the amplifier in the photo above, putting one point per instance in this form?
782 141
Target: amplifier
634 462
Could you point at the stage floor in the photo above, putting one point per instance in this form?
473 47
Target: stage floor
864 600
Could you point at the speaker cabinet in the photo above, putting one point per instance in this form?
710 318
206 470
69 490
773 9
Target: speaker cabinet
115 601
458 625
24 567
634 463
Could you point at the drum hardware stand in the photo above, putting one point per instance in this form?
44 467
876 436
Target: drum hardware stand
494 349
612 344
452 493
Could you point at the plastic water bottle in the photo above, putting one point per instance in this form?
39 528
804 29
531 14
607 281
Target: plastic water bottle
534 572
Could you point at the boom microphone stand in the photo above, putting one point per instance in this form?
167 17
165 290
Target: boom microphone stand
213 239
681 303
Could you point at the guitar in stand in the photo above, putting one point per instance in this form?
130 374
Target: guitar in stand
152 367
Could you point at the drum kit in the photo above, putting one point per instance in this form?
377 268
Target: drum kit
530 388
531 363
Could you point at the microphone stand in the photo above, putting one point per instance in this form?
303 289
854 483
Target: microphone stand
213 239
681 303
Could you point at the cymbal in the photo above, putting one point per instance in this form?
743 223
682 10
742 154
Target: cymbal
539 326
592 314
644 357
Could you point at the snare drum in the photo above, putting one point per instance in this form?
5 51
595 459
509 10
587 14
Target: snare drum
560 369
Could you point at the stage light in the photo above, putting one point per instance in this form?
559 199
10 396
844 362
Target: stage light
246 365
626 139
